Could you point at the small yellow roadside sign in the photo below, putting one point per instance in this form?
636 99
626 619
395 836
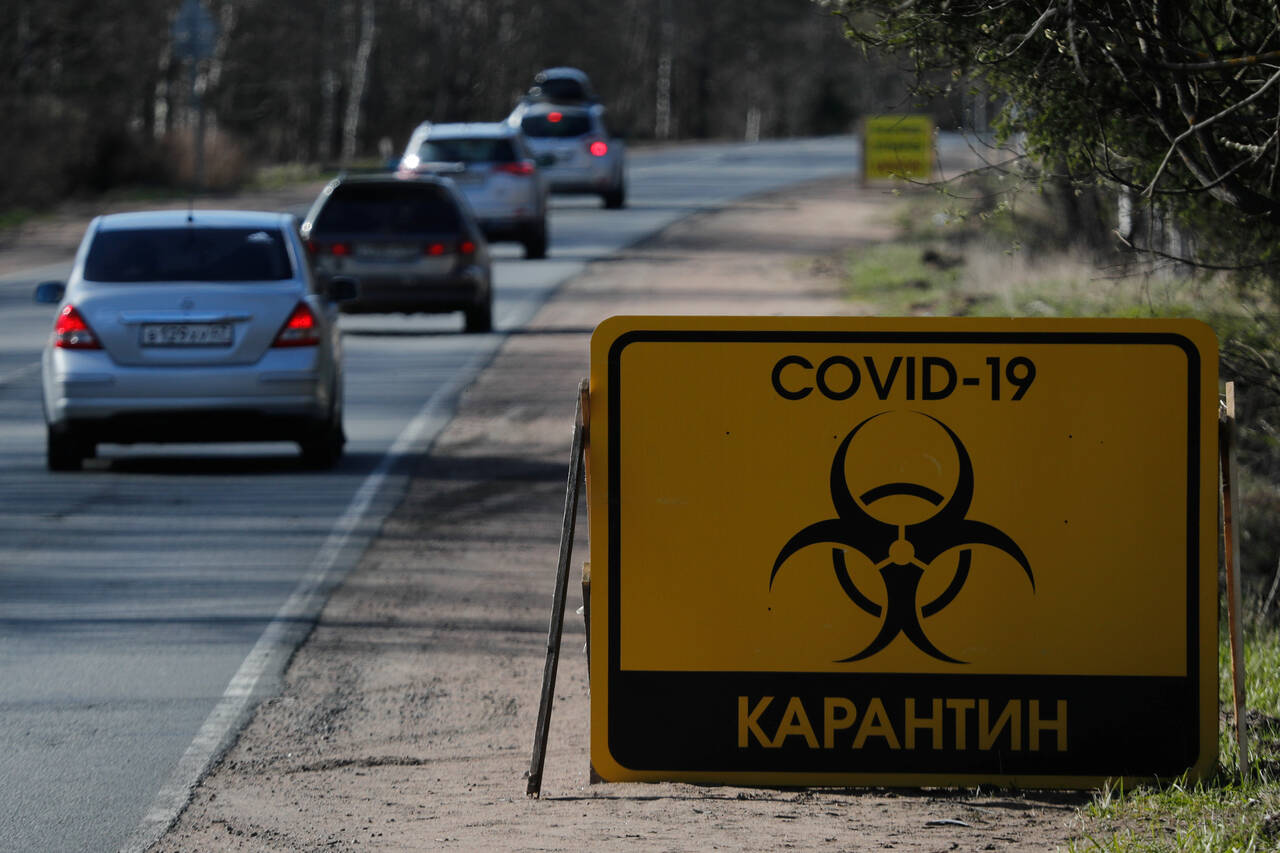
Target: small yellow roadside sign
897 146
926 551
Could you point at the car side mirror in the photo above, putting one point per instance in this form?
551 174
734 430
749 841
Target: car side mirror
342 288
50 292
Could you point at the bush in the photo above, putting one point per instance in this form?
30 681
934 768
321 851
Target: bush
226 166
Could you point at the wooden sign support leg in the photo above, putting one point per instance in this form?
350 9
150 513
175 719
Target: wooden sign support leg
556 628
1231 547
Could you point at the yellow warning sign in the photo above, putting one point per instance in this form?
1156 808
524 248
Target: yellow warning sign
925 551
897 146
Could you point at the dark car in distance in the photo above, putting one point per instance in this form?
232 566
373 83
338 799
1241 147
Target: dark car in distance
411 241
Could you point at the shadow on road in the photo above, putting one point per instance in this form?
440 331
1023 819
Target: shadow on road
168 462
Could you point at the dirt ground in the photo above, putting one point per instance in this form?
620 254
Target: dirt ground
407 719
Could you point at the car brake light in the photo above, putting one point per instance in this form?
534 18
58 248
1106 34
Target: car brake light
554 118
599 148
70 331
435 249
300 330
339 249
466 247
519 167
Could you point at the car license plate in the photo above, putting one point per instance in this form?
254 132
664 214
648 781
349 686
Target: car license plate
186 335
386 251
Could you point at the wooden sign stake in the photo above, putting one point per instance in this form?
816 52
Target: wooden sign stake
556 629
1231 547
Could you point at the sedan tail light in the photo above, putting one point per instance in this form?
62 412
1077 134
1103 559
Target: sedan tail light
300 330
70 331
517 167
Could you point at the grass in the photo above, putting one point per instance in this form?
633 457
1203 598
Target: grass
986 257
948 262
1224 813
283 175
14 217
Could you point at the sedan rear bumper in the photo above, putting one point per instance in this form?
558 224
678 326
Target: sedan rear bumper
86 388
229 423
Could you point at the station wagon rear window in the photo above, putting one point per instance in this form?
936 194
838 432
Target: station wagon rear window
188 254
403 208
467 151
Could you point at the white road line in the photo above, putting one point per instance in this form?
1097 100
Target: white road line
19 373
302 606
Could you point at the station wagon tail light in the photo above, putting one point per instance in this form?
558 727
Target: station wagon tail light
300 330
338 249
599 148
517 167
70 331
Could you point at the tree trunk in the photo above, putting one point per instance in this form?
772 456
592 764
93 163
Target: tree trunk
662 126
359 73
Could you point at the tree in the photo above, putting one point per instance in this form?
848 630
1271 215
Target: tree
1175 101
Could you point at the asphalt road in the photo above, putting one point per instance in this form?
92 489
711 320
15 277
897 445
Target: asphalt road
148 602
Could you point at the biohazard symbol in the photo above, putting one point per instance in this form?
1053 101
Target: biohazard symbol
902 553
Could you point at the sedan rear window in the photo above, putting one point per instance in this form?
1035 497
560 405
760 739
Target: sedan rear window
557 124
467 151
188 254
402 208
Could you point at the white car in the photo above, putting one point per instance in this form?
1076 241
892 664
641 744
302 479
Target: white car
574 148
491 163
180 326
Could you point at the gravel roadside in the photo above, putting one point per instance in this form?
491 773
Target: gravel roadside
406 719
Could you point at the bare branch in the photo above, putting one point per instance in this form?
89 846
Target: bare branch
1198 127
1220 64
1035 28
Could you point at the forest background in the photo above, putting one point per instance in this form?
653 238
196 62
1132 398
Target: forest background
101 95
109 97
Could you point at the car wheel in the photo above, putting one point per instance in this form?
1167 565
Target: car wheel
535 241
479 319
64 451
322 449
616 198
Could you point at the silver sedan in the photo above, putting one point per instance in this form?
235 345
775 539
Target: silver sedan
193 326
